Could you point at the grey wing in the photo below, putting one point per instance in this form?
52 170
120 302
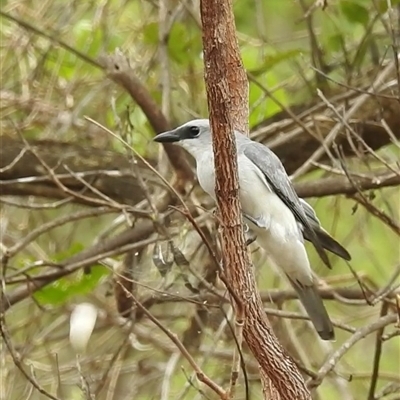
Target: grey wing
327 241
310 212
277 179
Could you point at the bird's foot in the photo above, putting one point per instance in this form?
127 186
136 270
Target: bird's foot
251 237
250 240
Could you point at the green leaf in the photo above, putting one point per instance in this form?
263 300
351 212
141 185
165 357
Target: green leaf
77 284
63 289
61 63
75 248
355 12
265 69
178 43
184 44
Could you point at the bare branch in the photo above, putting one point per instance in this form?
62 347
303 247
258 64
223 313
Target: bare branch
377 356
361 333
118 69
16 357
174 338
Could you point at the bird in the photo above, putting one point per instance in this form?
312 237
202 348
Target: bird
271 208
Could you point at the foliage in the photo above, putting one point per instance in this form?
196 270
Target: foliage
50 83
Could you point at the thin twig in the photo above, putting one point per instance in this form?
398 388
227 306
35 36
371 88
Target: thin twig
361 333
55 223
17 361
377 355
347 115
174 338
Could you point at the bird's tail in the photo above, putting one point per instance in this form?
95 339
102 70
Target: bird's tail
329 243
315 308
326 240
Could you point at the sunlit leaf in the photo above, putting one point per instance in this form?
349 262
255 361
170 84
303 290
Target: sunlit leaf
250 57
182 42
61 63
183 45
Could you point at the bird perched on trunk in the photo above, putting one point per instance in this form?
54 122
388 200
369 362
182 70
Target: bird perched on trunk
271 208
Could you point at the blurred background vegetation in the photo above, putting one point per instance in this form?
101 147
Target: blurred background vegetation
54 76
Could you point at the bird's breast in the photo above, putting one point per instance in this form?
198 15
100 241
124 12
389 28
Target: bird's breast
251 184
206 175
253 190
256 197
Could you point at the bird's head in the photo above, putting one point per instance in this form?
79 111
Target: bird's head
194 136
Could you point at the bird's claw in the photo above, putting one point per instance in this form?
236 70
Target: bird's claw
250 236
250 240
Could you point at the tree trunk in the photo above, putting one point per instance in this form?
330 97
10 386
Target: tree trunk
227 93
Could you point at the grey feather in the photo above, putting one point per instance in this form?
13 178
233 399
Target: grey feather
277 179
312 302
326 240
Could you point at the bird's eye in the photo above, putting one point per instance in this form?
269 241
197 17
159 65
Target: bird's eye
194 131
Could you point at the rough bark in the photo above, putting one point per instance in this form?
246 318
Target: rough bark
226 86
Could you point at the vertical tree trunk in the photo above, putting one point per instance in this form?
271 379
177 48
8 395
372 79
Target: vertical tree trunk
227 93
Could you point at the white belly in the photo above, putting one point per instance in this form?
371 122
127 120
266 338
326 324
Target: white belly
279 234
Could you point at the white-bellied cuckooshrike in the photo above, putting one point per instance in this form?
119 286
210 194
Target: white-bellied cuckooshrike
271 209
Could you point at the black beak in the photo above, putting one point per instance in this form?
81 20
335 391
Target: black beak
167 137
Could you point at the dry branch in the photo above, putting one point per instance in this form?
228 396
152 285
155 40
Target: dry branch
375 120
275 296
130 239
293 135
361 333
18 163
118 69
111 173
